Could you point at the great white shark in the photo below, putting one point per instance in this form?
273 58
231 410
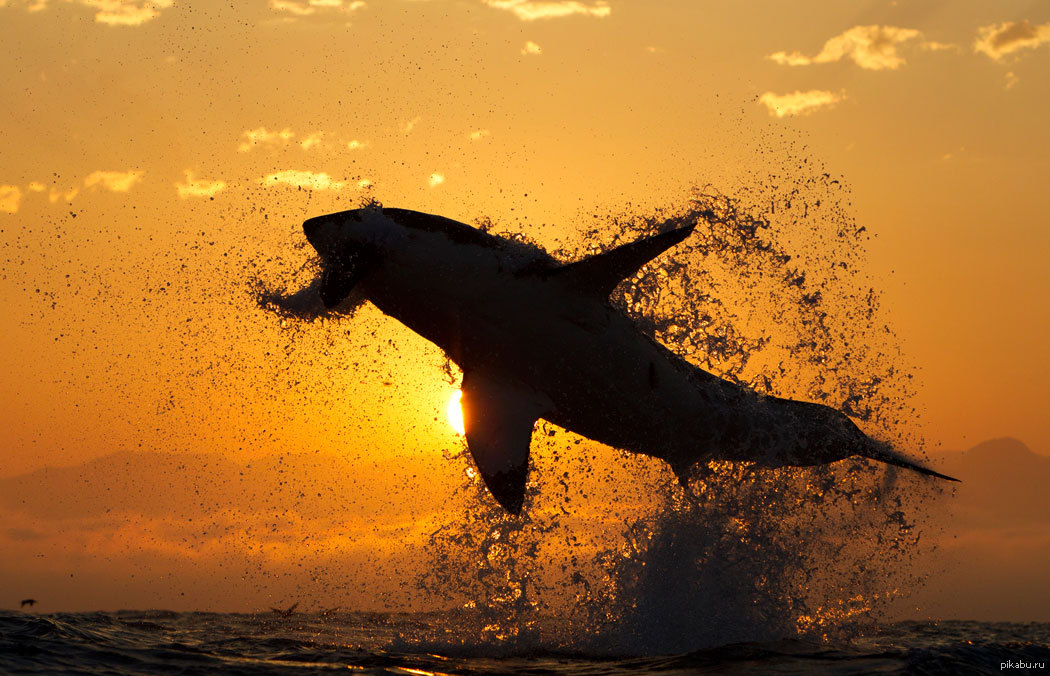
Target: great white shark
539 339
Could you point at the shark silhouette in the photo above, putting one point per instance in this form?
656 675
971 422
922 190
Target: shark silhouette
539 339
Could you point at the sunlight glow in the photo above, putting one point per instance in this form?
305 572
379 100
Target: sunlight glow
455 413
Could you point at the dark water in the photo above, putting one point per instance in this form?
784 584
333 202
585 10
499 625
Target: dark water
153 642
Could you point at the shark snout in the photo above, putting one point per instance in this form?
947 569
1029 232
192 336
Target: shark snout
331 234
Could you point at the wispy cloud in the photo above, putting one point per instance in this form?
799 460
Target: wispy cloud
407 127
141 503
127 12
354 144
798 103
262 137
531 48
55 194
292 7
311 140
196 187
531 10
31 6
478 134
111 12
10 198
870 47
311 7
934 46
114 181
999 40
306 180
436 179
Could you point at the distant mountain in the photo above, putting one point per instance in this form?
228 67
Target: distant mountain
1004 484
191 485
993 544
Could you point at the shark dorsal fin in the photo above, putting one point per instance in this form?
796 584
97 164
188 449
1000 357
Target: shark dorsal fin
599 275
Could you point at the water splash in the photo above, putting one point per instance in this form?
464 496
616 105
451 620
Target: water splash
612 555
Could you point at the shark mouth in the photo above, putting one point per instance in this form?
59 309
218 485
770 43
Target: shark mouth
341 273
344 261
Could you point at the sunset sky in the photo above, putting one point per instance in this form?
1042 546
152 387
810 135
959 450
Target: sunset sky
158 156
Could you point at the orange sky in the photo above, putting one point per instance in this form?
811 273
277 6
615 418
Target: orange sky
158 154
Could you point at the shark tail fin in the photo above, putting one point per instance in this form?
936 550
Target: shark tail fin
890 457
599 275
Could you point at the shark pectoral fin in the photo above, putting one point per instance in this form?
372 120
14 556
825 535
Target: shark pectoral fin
498 420
599 275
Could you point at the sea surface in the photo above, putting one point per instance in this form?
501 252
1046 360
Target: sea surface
162 642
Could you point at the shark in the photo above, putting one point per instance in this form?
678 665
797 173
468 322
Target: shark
536 338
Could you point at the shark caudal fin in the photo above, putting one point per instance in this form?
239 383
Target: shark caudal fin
883 453
599 275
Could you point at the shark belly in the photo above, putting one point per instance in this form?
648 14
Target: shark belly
627 391
580 363
598 375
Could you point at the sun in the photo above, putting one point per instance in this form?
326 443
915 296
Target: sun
455 412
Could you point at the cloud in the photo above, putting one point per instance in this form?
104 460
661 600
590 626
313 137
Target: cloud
310 7
1011 80
410 125
10 198
113 12
126 12
998 40
36 186
356 145
24 534
934 46
531 48
214 524
195 187
114 181
530 10
34 6
798 103
870 47
307 180
55 194
436 179
311 140
291 7
479 134
262 137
